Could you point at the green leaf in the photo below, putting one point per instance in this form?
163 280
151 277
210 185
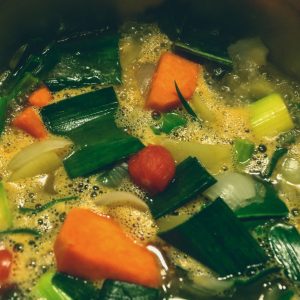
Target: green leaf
216 238
285 244
169 122
86 60
190 180
243 151
119 290
277 155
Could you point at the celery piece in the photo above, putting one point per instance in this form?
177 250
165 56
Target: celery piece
5 212
269 116
243 151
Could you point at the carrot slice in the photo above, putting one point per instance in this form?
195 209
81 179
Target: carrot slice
41 97
95 247
171 68
29 121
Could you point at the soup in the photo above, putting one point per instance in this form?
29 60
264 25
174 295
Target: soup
134 166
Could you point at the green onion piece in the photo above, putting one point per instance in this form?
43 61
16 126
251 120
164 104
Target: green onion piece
216 238
185 104
6 220
86 60
190 180
269 116
44 289
285 243
169 122
13 231
113 290
243 151
47 205
195 52
76 288
113 178
64 116
98 156
266 204
277 155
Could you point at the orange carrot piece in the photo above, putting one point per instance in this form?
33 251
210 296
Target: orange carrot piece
95 247
41 97
171 67
29 121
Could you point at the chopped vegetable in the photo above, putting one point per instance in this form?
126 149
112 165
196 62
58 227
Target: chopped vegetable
28 231
94 245
277 155
47 205
290 170
121 198
269 116
43 164
76 288
6 220
171 67
115 290
114 177
100 155
169 122
30 122
190 180
184 103
152 168
218 239
32 151
45 289
6 260
40 97
285 243
243 151
213 157
237 190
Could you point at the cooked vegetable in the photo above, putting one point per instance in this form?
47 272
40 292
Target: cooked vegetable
190 180
114 177
285 243
86 60
218 239
45 289
94 244
277 155
30 122
269 116
40 97
237 190
171 67
47 205
121 198
291 170
43 164
6 220
22 231
243 151
97 156
169 122
114 290
6 260
213 157
152 168
32 151
201 109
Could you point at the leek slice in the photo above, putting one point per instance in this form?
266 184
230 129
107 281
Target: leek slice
269 116
114 177
190 179
29 231
243 151
5 212
169 122
285 243
277 155
218 239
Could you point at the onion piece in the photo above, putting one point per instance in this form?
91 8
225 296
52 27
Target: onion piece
237 190
290 170
36 149
121 198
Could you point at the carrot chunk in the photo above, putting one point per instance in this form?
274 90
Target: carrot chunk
41 97
29 121
171 67
95 247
